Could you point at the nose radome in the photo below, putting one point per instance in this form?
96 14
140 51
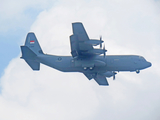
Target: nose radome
149 64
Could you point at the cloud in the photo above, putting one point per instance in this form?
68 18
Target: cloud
16 17
17 14
44 97
126 27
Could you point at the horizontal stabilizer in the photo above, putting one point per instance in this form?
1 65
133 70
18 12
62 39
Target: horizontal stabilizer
101 80
33 64
30 57
27 53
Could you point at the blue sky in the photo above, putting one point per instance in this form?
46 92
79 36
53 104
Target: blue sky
10 41
127 27
15 24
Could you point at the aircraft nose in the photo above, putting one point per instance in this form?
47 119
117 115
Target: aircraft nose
149 64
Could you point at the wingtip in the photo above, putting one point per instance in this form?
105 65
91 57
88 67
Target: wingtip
31 33
77 23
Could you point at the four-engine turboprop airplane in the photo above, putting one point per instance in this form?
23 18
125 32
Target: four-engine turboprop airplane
85 58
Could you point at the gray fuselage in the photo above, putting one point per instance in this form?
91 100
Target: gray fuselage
96 64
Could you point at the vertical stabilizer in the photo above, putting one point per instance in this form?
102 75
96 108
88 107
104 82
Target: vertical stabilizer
32 43
31 50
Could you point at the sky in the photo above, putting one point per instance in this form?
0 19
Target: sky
127 27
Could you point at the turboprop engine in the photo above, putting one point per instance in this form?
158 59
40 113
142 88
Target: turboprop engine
110 74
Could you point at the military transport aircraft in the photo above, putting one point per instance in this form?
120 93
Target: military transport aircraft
92 62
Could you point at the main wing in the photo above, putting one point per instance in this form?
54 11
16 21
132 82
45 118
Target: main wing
99 78
81 45
78 39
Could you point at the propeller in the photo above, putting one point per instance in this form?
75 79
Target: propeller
101 41
114 73
104 51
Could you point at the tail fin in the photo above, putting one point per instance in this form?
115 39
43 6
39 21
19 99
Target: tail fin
32 43
30 50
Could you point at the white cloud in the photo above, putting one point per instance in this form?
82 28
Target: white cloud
27 93
126 27
19 14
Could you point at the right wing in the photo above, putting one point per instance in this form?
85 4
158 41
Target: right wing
99 78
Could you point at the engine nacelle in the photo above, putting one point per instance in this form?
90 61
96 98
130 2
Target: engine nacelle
109 73
94 42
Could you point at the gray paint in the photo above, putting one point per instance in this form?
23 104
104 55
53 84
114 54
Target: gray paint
85 58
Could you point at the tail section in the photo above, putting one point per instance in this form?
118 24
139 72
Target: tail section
27 53
32 43
30 51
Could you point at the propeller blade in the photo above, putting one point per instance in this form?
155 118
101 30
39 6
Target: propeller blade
114 73
113 76
104 51
100 41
